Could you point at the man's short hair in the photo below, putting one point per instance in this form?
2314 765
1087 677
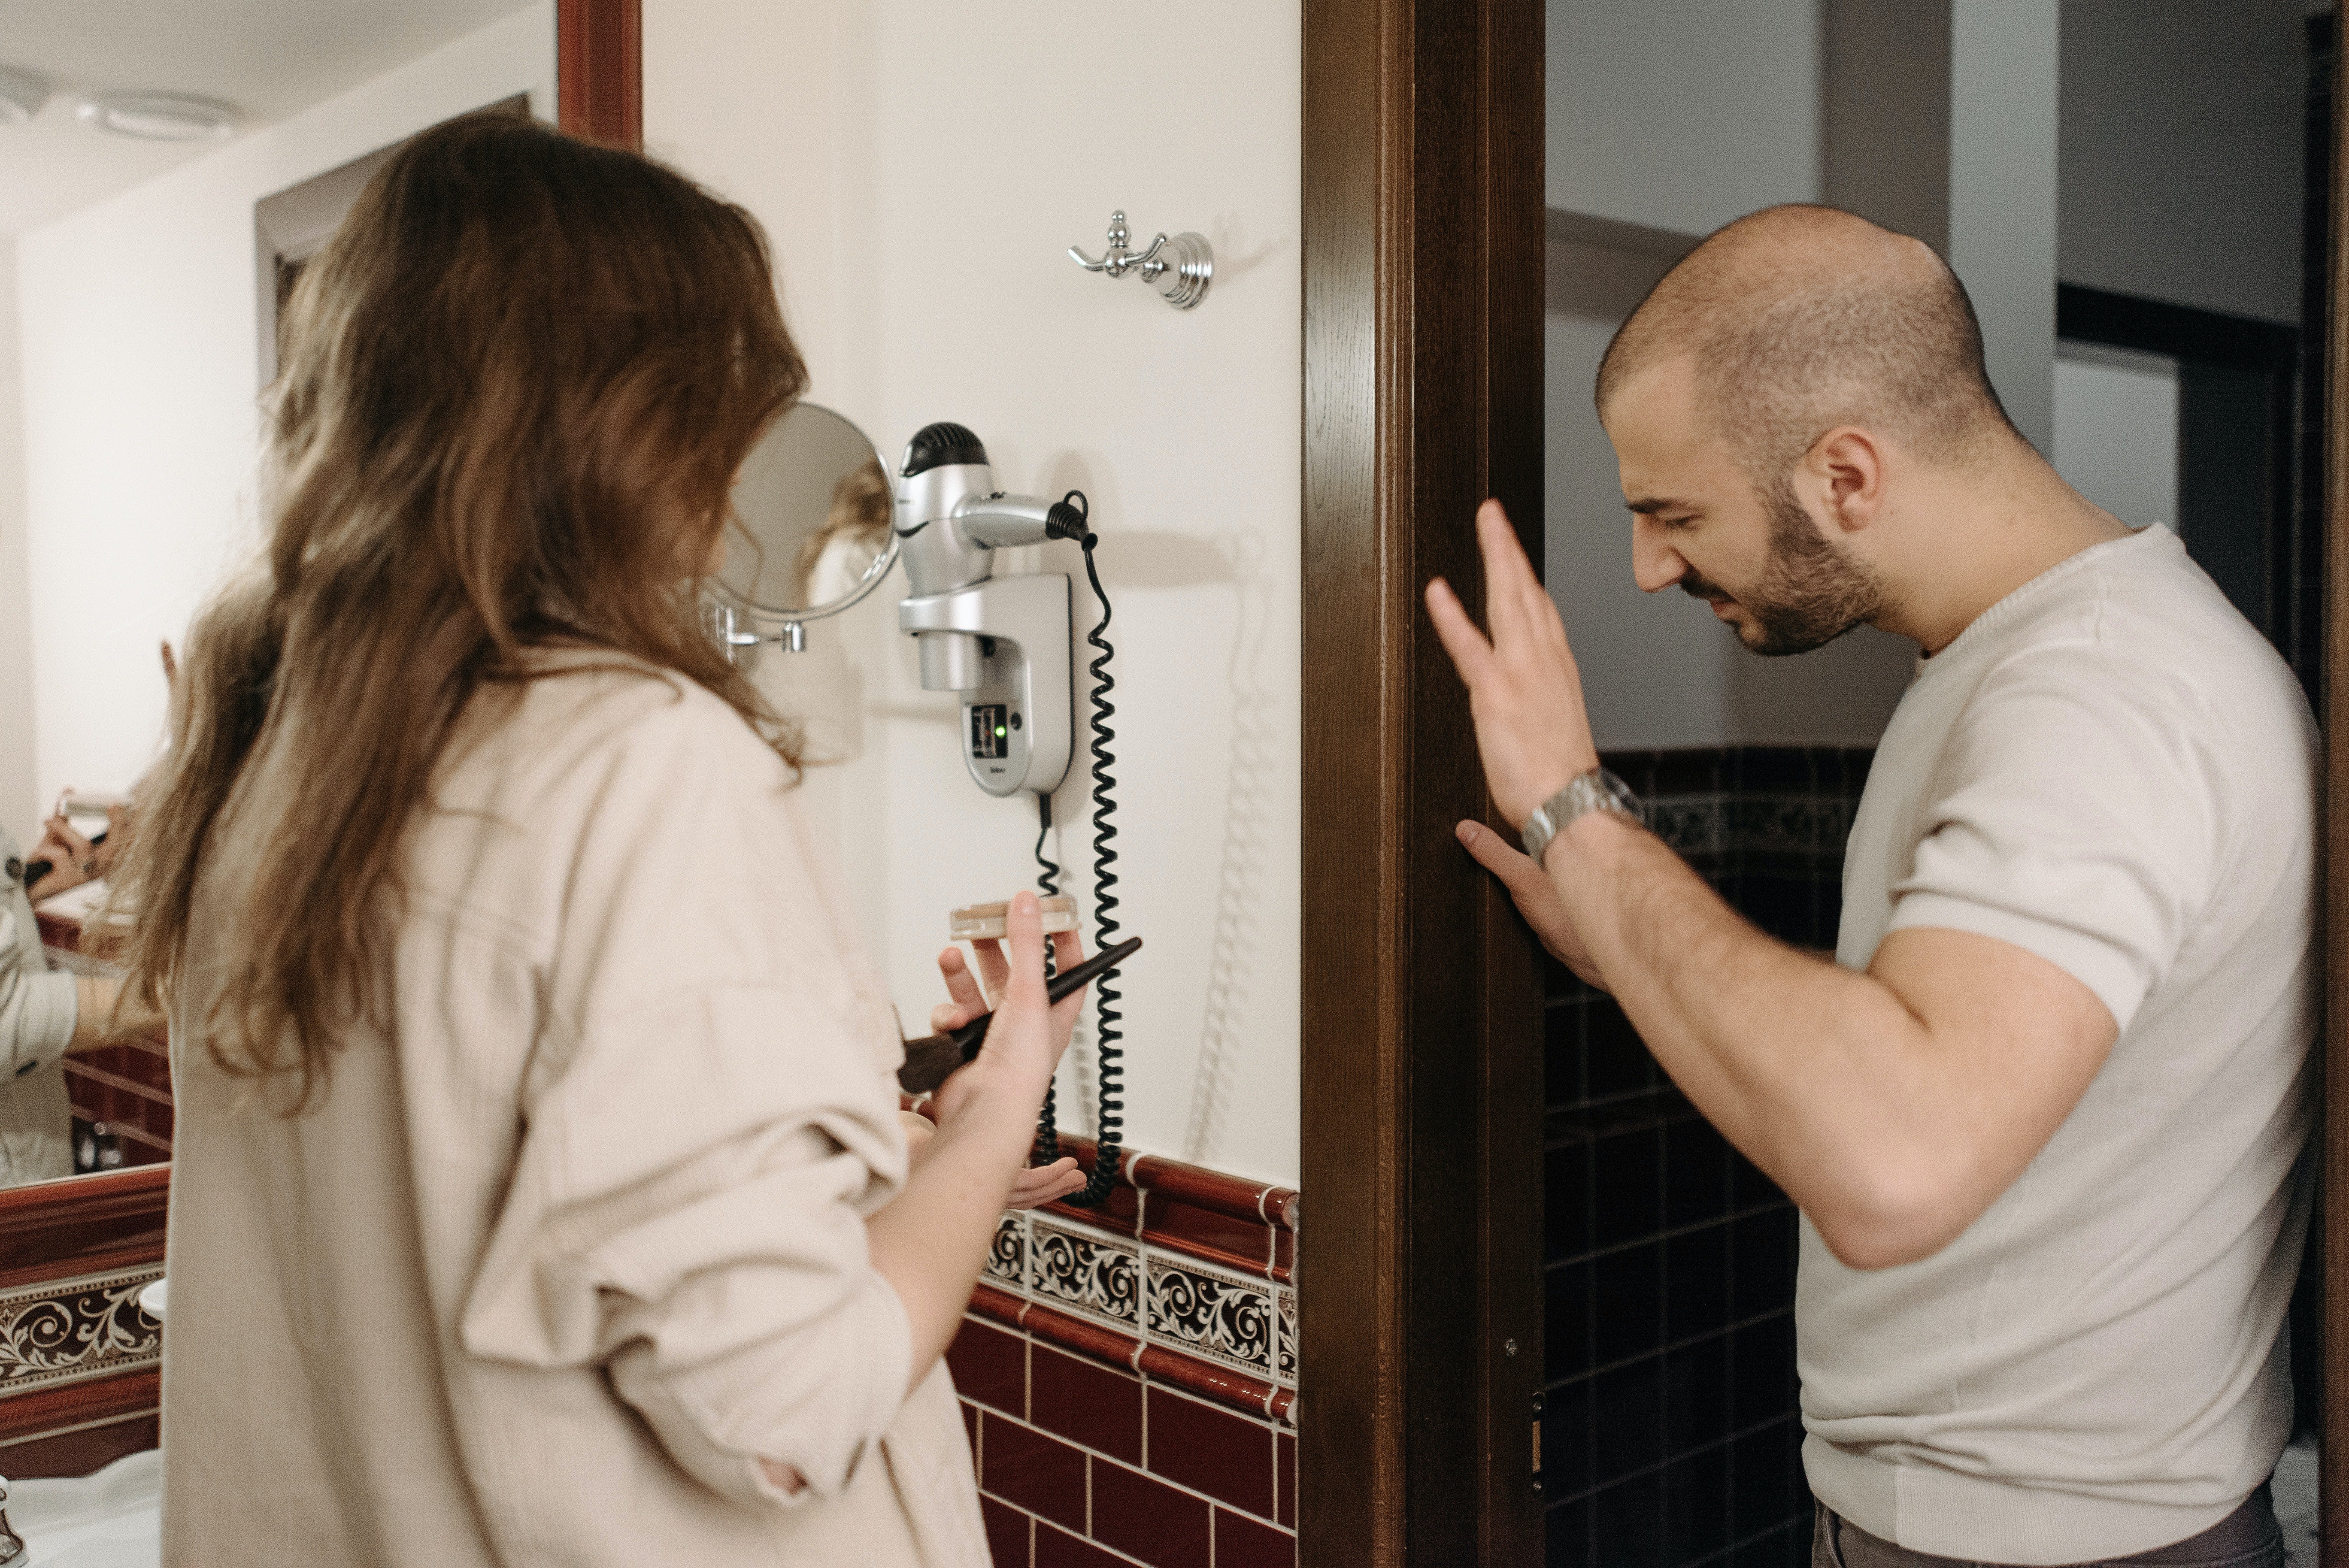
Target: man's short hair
1802 318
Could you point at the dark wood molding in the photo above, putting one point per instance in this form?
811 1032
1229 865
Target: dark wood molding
81 1450
599 70
2334 709
71 1407
82 1225
1420 1326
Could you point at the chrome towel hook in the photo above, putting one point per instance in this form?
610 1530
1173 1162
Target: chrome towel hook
1179 268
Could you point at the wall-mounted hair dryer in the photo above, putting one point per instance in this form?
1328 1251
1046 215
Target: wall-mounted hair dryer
1002 642
827 525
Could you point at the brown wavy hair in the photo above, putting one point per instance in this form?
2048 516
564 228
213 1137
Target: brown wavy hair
517 386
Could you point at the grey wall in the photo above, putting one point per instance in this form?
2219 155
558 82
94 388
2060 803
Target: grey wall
1682 114
2179 151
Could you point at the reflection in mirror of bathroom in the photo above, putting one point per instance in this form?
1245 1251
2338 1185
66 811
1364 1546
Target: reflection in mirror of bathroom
813 503
171 169
2119 184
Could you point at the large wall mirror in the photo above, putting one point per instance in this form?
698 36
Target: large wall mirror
170 169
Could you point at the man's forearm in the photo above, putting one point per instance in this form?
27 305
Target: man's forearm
1795 1060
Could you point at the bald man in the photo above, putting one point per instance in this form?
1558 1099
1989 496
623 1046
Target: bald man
2045 1113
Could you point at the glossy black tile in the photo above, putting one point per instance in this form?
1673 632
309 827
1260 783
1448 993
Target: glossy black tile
1629 1294
1562 1078
1628 1419
1616 1059
1566 1311
1696 1395
1763 1249
1631 1522
1696 1173
1627 1187
1760 1494
1567 1440
1566 1200
1696 1505
1567 1535
1763 1382
1696 1282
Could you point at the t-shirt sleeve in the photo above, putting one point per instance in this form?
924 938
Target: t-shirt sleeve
2070 816
705 1131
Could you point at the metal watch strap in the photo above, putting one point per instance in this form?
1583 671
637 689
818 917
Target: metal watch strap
1597 791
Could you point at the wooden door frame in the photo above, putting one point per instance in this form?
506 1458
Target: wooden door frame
599 60
1420 1332
2334 1125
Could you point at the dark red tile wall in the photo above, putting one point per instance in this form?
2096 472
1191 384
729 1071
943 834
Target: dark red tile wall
1081 1464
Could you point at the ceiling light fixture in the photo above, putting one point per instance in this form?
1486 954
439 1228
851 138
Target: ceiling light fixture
21 94
160 117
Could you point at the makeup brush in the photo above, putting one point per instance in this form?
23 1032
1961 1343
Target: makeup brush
931 1059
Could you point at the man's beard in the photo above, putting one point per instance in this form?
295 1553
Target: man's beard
1811 593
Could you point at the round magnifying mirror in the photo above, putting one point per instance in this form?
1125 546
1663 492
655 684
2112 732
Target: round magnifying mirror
816 502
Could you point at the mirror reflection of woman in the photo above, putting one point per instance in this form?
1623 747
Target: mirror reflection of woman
540 1193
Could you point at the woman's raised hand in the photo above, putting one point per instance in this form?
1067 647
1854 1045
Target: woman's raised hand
1024 1041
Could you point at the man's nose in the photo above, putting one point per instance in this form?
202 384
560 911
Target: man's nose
1655 565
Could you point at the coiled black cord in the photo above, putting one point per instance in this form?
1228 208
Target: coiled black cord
1108 1016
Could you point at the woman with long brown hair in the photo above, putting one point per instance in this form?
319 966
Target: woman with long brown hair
539 1192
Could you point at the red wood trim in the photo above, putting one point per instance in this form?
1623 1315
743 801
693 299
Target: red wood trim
1236 1196
599 71
42 1411
91 1224
1078 1336
75 1068
1209 1380
82 1449
994 1302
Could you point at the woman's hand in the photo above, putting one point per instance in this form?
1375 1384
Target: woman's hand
73 860
1039 1185
974 994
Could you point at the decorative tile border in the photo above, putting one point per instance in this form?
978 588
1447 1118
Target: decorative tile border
67 1331
1084 1271
1210 1312
1184 1275
1717 823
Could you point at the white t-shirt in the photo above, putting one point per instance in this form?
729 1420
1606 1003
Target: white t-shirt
2111 769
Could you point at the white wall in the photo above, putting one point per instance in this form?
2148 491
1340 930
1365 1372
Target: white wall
139 372
920 166
2181 152
20 805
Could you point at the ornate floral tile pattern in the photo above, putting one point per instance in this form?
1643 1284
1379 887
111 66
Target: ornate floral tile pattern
1164 1297
1210 1312
63 1331
1093 1273
1006 1260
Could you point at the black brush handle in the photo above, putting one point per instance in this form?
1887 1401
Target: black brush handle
929 1060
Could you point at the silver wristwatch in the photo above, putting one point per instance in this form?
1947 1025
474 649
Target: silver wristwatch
1597 791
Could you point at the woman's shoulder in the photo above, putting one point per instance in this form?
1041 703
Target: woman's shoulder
597 749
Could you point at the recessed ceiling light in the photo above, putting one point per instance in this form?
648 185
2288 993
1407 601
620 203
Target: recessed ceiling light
21 94
160 117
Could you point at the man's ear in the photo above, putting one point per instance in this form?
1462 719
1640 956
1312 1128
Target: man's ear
1845 471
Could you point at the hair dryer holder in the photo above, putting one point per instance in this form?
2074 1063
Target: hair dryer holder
1002 643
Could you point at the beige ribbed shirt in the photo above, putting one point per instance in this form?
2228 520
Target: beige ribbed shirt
580 1234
